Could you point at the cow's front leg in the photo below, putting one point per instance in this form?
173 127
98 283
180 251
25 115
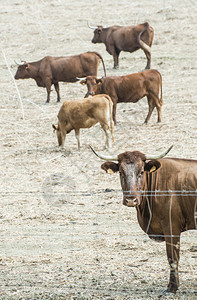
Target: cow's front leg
115 55
108 143
77 134
172 249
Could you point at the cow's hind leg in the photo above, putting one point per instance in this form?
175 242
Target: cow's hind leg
77 134
153 102
108 142
56 85
151 107
148 56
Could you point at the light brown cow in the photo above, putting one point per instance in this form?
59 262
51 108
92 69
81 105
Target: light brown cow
85 113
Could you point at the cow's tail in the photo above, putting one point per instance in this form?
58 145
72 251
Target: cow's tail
161 95
102 62
142 44
111 117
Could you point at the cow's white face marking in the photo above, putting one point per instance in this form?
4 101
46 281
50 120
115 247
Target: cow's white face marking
131 177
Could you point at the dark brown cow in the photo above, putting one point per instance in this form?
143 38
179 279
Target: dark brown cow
125 38
85 113
129 88
51 70
164 192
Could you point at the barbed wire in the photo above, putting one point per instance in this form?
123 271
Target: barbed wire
154 193
47 187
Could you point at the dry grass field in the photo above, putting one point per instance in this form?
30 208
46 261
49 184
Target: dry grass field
64 231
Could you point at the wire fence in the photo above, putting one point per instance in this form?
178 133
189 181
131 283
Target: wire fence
63 224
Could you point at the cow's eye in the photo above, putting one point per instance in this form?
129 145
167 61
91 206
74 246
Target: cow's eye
141 173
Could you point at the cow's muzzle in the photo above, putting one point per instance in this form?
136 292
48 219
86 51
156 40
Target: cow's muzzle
130 202
91 93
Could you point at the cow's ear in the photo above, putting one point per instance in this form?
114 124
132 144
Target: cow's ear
99 81
152 166
110 167
54 127
83 82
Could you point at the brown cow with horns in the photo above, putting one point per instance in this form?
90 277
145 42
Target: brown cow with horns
129 88
51 70
125 38
164 193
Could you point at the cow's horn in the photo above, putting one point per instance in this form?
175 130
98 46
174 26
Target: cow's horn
104 157
80 78
149 157
91 27
19 64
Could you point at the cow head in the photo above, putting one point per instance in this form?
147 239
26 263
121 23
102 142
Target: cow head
92 84
23 71
132 167
98 35
59 134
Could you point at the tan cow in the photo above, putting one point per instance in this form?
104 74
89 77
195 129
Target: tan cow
85 113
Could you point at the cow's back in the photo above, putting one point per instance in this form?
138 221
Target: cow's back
69 68
179 174
66 68
84 113
126 37
126 88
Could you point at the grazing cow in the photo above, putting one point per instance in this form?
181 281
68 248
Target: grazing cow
125 38
50 70
164 192
129 88
85 113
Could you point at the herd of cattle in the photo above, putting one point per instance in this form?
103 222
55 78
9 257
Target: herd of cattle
163 190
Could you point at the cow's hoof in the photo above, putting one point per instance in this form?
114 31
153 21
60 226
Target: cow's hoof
165 293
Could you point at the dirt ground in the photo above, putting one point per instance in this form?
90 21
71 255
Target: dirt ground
64 231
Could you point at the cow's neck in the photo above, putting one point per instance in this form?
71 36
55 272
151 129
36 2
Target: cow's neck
35 66
105 34
144 210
